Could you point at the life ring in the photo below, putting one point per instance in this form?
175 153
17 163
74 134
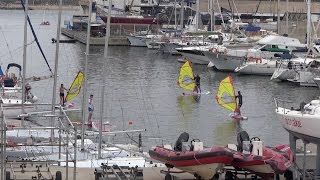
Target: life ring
250 58
215 50
258 60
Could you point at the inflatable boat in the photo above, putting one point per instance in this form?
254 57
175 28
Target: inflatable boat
202 162
253 156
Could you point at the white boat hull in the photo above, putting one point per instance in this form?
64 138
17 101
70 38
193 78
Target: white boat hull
265 169
137 41
283 74
304 126
196 59
224 62
317 81
206 171
152 44
257 69
304 78
170 48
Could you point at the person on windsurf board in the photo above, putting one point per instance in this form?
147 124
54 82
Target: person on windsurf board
187 81
227 99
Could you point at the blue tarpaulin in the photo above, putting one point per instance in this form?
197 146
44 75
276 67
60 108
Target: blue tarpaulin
250 28
1 72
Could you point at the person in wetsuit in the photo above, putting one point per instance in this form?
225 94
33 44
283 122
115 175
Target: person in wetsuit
239 96
197 81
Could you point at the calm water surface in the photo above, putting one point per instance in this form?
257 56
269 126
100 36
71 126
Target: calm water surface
141 87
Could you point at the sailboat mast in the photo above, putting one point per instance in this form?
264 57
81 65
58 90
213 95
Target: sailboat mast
56 67
106 45
24 65
175 14
308 23
103 76
278 20
287 16
211 9
197 15
181 14
84 94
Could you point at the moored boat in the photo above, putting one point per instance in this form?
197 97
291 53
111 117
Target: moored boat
257 66
302 122
253 156
202 162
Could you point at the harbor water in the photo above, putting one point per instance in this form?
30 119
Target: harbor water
141 87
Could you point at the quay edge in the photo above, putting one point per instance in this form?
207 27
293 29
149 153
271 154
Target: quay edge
95 41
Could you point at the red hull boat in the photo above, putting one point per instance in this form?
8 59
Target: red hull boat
275 160
131 20
263 161
201 162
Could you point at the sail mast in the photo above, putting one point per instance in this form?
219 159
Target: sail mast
181 14
84 97
24 65
309 23
56 67
197 15
278 18
104 75
287 17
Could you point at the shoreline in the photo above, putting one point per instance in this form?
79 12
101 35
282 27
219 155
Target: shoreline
40 7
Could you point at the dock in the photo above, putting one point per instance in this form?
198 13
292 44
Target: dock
81 36
154 173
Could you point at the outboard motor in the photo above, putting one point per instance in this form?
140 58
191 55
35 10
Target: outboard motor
184 137
242 136
8 83
302 104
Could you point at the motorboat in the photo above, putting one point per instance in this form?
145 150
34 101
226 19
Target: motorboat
264 161
198 160
305 77
228 59
286 69
195 54
302 122
257 66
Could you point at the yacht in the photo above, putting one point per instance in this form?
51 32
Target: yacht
227 59
303 122
257 67
305 76
195 54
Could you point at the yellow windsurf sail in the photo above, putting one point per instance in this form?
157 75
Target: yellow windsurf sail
75 87
186 78
226 96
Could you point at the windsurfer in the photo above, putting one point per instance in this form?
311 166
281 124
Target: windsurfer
197 81
90 108
62 100
239 96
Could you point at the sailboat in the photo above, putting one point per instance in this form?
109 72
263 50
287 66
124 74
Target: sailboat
186 80
227 99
